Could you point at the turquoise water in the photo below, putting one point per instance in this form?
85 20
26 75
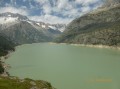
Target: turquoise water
67 66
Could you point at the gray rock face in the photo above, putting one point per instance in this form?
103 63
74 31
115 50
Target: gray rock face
97 27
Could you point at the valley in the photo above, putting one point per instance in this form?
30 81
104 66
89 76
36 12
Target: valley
81 54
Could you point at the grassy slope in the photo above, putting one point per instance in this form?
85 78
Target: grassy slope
15 83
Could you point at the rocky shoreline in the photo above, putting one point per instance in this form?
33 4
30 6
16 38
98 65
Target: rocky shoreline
5 73
4 65
97 46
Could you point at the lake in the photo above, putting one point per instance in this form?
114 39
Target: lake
67 66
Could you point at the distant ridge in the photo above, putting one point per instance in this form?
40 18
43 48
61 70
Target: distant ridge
20 29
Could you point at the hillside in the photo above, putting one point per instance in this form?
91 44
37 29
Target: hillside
5 45
99 27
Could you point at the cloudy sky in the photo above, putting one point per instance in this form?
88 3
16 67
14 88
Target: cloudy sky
50 11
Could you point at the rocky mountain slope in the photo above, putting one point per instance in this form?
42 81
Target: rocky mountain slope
22 30
99 27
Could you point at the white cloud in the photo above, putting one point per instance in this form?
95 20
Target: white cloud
85 9
86 2
53 11
11 9
42 1
51 19
47 9
61 4
63 8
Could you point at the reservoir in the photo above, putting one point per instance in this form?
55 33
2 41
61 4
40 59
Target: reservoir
67 66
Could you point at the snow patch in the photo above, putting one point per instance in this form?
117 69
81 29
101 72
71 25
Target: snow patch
9 15
38 24
29 22
43 26
61 29
54 28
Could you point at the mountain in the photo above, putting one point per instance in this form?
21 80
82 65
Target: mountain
99 27
21 30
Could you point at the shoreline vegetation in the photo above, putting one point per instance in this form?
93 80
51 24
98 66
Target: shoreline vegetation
89 45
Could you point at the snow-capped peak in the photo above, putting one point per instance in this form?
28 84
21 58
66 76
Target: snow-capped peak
9 15
4 20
